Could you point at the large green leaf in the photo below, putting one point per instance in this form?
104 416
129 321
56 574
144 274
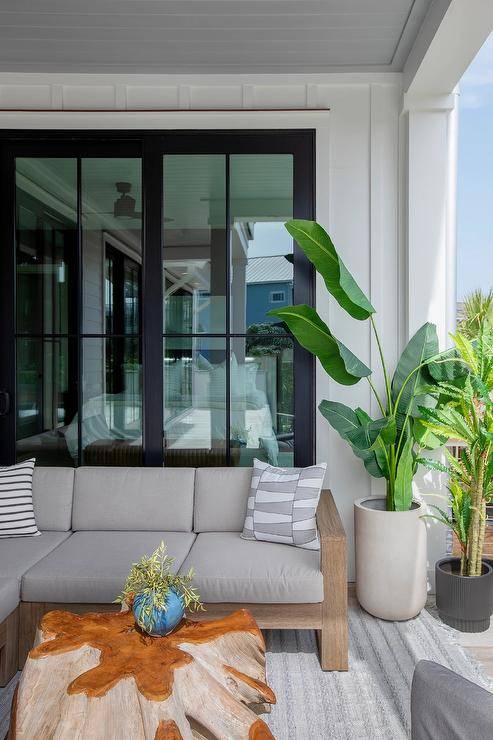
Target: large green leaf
340 417
344 420
318 247
373 465
367 436
403 490
382 462
422 346
445 369
374 459
315 336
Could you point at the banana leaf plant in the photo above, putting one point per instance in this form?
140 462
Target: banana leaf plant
386 445
464 412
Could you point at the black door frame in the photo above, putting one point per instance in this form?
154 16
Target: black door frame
151 145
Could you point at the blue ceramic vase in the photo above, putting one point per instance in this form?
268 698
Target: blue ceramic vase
160 622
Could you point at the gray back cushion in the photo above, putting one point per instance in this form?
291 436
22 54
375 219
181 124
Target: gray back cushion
139 499
52 498
221 496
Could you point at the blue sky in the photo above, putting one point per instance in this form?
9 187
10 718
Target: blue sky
475 176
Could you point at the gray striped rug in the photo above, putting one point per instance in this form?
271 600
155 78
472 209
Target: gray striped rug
370 702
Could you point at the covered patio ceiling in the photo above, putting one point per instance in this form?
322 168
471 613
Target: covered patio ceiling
204 36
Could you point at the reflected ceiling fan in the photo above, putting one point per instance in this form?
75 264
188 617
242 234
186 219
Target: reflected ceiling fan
124 205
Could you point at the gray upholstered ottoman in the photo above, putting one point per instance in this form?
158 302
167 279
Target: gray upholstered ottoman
445 706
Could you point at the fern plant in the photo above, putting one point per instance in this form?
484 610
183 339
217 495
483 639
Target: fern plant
153 575
464 412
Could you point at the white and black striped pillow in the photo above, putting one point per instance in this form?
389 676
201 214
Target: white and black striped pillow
16 501
282 505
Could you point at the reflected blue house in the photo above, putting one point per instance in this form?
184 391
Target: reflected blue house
269 285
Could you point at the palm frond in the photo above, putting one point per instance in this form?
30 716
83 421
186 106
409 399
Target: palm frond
477 308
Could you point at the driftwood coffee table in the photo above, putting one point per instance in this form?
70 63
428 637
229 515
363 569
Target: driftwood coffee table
96 677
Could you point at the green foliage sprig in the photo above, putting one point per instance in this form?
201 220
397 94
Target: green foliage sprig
153 575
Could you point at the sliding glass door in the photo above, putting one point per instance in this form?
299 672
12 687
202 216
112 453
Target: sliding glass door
137 280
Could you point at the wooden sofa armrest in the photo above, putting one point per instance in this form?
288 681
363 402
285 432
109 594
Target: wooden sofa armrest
333 637
328 519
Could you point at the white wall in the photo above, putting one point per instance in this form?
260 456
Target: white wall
362 176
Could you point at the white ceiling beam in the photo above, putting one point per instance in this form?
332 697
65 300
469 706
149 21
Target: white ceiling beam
449 39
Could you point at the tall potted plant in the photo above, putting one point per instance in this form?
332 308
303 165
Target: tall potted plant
390 533
464 586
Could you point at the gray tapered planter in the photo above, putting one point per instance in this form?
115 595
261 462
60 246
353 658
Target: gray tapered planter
464 602
390 559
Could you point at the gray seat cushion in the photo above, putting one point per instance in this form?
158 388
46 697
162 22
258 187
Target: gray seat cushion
134 499
9 596
91 567
53 490
18 554
221 496
229 568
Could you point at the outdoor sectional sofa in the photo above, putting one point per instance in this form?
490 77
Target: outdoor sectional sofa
97 521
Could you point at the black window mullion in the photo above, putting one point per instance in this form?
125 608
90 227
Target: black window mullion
228 313
7 308
152 304
303 292
80 312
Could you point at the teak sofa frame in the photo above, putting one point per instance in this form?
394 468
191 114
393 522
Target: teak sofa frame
329 618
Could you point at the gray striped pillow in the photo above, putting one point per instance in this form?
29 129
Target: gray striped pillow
283 503
16 501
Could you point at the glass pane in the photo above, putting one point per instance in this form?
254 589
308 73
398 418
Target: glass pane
261 191
262 399
46 414
195 401
195 284
112 402
111 245
46 216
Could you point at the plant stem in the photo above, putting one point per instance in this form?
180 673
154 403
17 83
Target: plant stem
380 404
391 480
474 535
463 562
482 531
401 435
384 367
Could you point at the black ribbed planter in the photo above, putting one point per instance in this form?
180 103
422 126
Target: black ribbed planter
464 602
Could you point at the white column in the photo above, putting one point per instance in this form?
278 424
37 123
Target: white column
429 156
429 126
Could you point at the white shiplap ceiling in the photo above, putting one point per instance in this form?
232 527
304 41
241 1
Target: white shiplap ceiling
203 36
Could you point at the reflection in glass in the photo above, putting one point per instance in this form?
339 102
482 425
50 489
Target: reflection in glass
195 401
195 281
46 216
111 244
46 400
261 192
111 418
262 399
122 280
